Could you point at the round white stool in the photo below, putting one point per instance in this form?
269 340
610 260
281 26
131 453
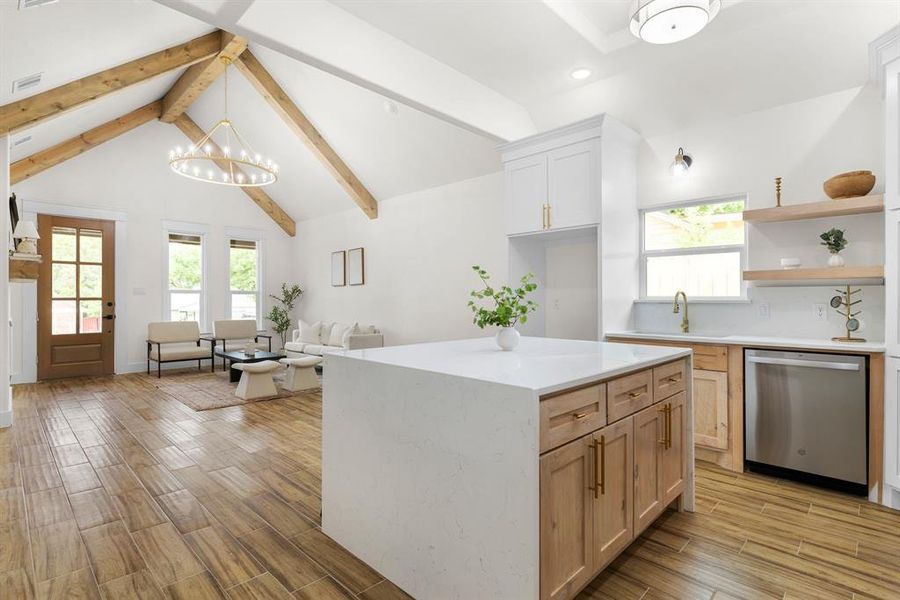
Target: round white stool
256 380
301 373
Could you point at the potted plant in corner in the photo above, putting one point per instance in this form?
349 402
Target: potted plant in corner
280 314
834 240
510 306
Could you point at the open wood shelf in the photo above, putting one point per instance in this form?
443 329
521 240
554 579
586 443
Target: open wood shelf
23 270
816 210
816 274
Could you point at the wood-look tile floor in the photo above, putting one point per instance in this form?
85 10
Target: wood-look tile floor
109 488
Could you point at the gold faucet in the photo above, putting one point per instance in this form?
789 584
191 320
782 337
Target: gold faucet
685 325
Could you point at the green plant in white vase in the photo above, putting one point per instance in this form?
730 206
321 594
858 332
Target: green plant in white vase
510 306
280 314
834 240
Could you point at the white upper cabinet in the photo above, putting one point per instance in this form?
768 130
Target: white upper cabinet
526 194
553 179
573 177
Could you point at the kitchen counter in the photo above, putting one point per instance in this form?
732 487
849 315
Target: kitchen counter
432 453
542 365
754 340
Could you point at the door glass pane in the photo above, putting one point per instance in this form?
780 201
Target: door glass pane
62 317
63 280
185 306
90 316
243 306
63 243
91 242
91 281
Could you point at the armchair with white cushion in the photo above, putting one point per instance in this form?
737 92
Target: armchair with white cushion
175 341
319 338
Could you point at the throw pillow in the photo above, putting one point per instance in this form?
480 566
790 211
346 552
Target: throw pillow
325 333
345 339
310 334
337 334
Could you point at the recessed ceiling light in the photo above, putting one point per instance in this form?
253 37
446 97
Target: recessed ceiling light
390 107
581 73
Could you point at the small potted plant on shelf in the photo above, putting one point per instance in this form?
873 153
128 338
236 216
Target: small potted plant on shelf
510 306
834 240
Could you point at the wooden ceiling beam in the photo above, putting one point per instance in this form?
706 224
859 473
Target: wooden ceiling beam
261 198
278 99
54 155
34 109
200 76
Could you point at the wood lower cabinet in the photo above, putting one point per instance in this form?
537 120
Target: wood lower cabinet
567 522
649 428
672 455
711 409
613 494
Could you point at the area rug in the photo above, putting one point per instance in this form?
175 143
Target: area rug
206 391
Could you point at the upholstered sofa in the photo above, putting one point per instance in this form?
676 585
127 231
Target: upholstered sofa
175 341
321 337
235 334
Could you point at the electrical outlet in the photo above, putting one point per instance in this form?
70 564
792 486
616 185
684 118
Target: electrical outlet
556 304
820 312
763 311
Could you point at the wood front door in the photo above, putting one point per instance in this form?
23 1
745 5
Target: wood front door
76 297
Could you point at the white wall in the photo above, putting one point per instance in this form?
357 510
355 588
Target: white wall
805 143
418 256
130 175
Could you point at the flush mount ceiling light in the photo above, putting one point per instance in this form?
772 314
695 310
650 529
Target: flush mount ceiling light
235 163
581 73
682 164
670 21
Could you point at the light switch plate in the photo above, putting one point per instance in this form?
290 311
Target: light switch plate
764 311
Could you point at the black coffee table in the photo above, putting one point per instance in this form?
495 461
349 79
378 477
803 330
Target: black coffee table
238 356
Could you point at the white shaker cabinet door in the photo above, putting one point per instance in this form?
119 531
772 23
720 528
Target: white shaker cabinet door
573 173
892 430
526 194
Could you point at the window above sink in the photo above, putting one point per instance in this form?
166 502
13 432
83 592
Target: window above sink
698 247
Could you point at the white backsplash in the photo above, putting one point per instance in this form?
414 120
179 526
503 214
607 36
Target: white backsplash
791 314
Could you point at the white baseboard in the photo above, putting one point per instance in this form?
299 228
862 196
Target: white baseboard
5 419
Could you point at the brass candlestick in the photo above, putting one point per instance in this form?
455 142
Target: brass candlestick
844 304
778 191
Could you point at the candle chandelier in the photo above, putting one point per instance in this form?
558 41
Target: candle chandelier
235 163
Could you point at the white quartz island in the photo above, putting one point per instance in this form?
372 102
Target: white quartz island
430 455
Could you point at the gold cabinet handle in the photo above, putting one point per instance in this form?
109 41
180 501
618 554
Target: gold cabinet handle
579 416
596 485
602 484
634 394
672 379
668 425
663 441
549 214
543 216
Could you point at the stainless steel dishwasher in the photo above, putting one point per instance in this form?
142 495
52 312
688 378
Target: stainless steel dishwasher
805 417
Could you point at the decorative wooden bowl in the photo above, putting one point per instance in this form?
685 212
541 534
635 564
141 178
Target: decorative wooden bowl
849 185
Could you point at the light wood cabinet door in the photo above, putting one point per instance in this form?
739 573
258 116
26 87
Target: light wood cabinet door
711 426
649 432
572 175
613 495
672 467
526 194
566 531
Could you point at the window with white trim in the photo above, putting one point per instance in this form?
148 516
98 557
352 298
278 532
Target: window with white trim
698 247
186 285
243 279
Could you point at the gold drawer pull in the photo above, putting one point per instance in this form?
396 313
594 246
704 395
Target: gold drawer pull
665 428
579 416
672 379
601 484
635 394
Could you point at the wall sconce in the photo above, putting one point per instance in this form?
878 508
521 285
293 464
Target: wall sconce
682 164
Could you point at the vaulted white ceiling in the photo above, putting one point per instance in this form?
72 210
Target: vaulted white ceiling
465 74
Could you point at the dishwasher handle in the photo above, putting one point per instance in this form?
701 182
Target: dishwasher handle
795 362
